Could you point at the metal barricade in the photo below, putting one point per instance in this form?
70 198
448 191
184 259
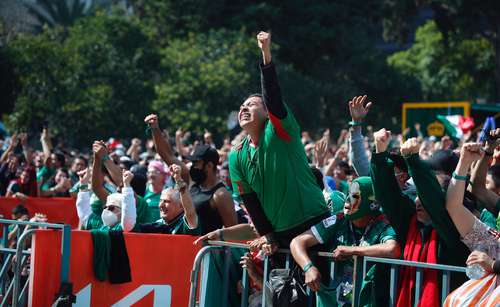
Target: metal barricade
359 273
13 261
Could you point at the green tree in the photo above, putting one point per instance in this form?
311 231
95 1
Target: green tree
460 69
93 81
464 19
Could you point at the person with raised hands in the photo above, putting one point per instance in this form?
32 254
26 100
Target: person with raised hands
422 224
119 211
213 203
487 197
357 150
481 239
269 168
177 212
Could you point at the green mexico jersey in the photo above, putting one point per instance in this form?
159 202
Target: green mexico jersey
277 170
152 200
335 231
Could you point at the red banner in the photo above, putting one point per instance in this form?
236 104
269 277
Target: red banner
58 210
160 265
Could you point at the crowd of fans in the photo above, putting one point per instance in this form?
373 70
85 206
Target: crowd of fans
374 194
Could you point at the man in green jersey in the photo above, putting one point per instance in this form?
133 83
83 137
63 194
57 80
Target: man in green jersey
269 168
361 230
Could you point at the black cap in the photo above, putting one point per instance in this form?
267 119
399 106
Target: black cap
443 160
206 153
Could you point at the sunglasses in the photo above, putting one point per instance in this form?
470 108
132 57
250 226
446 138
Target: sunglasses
112 208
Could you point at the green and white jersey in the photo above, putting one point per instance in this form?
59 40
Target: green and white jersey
277 170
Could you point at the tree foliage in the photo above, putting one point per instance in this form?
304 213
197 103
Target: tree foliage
95 80
460 69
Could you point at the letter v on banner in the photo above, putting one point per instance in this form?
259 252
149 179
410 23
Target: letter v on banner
162 296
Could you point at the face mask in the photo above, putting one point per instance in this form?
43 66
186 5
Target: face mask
109 218
198 175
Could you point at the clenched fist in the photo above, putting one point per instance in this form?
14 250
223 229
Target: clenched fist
264 42
382 139
410 146
152 120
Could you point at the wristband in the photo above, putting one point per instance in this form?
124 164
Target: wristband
105 158
83 187
489 154
308 266
221 234
354 123
458 177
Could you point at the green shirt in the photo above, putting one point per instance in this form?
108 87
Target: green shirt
152 200
278 172
178 226
44 175
336 230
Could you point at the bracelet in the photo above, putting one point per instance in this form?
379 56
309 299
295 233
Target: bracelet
83 187
458 177
353 123
308 266
221 234
105 158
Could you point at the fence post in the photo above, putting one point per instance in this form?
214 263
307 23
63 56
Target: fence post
357 279
17 267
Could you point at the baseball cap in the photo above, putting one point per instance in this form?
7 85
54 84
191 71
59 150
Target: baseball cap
206 153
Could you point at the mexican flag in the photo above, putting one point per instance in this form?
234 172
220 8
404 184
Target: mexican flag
456 125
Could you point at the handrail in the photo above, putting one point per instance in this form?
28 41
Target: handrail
362 261
16 222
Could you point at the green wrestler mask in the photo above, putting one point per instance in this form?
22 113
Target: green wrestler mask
337 200
361 189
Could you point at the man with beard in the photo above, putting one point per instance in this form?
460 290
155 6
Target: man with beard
213 203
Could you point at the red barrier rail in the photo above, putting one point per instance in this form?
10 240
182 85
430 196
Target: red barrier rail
57 209
160 265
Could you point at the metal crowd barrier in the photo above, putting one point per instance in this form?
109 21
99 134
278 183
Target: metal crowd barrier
13 261
359 273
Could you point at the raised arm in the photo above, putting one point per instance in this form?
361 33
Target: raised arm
163 146
430 192
114 170
134 149
181 149
398 207
83 208
97 175
129 211
46 146
478 179
13 143
357 150
26 151
271 91
186 201
461 216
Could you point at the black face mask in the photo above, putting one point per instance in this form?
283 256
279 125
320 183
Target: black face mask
198 175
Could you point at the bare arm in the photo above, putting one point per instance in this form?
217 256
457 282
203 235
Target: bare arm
163 146
46 146
388 249
97 179
181 149
478 180
12 145
224 204
299 247
461 216
234 233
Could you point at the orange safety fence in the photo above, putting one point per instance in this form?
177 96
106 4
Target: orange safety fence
160 266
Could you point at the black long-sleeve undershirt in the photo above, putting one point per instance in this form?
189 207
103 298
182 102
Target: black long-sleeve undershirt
254 209
271 91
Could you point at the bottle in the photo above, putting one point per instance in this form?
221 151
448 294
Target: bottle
475 271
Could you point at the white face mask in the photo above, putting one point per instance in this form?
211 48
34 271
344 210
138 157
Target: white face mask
109 218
